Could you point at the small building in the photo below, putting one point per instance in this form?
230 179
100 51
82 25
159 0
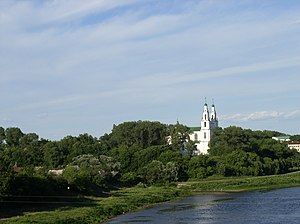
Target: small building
285 138
294 145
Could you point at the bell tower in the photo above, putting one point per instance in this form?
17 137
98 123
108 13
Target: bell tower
205 124
209 121
213 117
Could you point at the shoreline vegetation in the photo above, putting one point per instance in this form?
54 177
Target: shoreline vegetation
99 210
86 179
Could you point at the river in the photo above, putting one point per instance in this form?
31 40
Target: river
277 206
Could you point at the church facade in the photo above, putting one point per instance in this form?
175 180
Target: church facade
202 136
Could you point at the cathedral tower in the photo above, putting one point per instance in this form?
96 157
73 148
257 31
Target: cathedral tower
213 117
203 136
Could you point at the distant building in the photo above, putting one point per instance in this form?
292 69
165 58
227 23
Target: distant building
294 145
16 168
203 134
56 172
282 138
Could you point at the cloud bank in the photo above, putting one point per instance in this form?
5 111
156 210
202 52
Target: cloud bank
261 116
85 65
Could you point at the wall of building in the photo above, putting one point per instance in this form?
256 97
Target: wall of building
294 145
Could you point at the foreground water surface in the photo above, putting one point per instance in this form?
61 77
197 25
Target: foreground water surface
278 206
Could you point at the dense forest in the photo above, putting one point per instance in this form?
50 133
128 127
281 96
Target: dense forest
134 153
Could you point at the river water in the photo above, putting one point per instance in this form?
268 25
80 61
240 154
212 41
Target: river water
278 206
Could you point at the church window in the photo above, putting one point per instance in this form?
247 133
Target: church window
204 124
196 137
205 116
204 135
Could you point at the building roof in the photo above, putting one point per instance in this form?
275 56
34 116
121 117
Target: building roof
194 128
294 143
282 137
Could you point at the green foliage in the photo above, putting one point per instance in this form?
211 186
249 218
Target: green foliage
156 172
78 178
132 199
130 178
179 136
125 155
60 153
55 154
132 153
140 151
199 167
246 183
2 135
153 172
13 136
170 172
140 133
146 156
240 163
99 210
5 183
86 170
245 152
295 138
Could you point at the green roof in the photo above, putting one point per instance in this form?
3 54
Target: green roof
194 128
282 137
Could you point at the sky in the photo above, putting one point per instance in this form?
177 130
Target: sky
72 67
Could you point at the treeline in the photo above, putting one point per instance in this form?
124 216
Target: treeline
240 152
141 152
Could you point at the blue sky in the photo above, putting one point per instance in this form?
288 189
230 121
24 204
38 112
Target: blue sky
71 67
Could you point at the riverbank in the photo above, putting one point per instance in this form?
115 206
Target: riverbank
239 184
98 210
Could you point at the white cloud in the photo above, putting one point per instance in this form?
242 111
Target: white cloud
260 116
55 58
179 78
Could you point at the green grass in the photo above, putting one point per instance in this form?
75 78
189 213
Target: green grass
101 209
132 199
233 184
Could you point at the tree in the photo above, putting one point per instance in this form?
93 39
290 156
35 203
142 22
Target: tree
28 139
13 136
178 136
6 175
146 156
240 163
153 172
140 133
54 154
170 172
156 172
295 138
126 157
2 135
99 170
199 167
77 178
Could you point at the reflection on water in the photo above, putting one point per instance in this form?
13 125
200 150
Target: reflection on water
280 206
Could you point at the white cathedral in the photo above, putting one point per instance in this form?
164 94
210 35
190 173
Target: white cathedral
208 123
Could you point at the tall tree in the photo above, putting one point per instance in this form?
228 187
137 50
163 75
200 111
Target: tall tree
141 133
178 136
13 136
2 135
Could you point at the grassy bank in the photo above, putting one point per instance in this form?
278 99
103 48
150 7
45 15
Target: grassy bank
234 184
101 209
129 199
